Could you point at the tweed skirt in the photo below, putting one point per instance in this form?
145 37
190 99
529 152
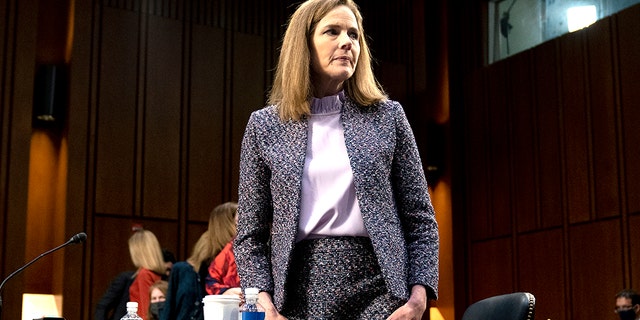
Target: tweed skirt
337 278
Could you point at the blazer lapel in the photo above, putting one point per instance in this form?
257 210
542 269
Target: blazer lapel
296 140
289 155
359 151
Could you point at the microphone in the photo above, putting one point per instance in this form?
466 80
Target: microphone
78 238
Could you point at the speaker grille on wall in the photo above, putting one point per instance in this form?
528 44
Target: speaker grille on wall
50 96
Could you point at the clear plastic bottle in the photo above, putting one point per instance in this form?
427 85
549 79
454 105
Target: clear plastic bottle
132 312
250 310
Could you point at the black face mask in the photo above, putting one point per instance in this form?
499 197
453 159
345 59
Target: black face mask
627 314
156 307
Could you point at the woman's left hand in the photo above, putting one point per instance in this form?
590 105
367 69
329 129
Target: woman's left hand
414 308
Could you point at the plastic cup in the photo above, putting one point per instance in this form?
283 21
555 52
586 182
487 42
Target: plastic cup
221 307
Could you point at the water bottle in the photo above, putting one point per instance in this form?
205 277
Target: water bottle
250 309
132 312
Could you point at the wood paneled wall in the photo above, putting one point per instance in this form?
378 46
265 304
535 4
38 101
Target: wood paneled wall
17 67
161 91
549 170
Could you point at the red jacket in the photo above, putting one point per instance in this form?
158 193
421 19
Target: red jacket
223 273
139 290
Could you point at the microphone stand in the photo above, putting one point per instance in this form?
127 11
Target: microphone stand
78 238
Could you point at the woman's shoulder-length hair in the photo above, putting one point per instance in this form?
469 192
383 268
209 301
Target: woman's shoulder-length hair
292 87
222 226
146 252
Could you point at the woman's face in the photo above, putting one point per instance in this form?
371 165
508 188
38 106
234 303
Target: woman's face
334 50
157 295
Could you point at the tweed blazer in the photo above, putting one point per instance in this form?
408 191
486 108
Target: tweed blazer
390 187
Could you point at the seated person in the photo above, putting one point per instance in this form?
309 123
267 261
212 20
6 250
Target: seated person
628 305
187 280
157 296
223 273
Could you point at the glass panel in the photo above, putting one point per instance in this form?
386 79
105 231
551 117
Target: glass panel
517 25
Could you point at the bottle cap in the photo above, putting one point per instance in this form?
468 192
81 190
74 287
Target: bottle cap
251 291
132 304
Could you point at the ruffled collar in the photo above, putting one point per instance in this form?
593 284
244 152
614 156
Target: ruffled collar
328 104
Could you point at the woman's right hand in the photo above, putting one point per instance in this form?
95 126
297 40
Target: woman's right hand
271 313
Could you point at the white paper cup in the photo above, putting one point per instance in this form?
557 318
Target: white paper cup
221 307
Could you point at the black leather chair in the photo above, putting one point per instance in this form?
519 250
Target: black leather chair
511 306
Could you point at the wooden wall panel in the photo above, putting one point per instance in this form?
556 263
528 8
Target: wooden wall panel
634 252
194 231
499 159
576 129
491 267
248 94
394 76
18 33
116 113
162 118
206 150
628 46
545 79
77 290
541 271
477 210
603 113
595 267
522 143
6 16
582 248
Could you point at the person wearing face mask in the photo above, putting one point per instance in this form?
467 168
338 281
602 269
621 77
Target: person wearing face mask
112 304
628 305
335 219
157 296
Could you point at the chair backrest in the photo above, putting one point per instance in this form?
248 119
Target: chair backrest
511 306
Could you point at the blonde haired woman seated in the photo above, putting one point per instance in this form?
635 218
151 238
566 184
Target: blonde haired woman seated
146 255
187 280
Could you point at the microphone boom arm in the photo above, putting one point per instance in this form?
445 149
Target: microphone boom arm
78 238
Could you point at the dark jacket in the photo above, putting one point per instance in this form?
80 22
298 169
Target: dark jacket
113 304
185 293
390 186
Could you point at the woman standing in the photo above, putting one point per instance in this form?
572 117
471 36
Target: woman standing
335 218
